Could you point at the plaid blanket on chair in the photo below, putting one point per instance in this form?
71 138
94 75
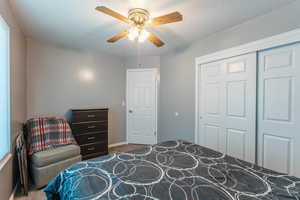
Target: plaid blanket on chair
48 133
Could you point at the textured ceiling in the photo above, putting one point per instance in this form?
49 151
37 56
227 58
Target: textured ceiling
76 24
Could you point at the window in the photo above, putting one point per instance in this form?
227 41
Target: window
4 90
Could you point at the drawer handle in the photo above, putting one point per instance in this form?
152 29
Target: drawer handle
91 116
91 138
91 149
91 126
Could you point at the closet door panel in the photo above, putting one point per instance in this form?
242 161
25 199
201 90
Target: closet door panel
274 159
236 99
236 143
212 136
240 106
213 96
278 92
211 128
228 105
279 109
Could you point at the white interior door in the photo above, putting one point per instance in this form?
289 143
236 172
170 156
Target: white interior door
141 106
227 106
279 109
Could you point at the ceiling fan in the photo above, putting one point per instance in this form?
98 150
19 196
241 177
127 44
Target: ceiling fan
139 18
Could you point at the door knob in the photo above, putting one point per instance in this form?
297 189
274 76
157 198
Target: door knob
130 111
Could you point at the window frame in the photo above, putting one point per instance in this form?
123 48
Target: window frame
7 155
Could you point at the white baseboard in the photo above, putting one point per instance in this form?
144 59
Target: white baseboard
12 196
117 144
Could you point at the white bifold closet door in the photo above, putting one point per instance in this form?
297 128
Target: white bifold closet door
227 106
279 109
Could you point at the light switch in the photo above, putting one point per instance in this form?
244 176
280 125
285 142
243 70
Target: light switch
176 114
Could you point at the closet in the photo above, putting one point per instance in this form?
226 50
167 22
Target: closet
248 106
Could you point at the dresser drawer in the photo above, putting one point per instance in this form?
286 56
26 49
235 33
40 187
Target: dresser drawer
90 129
93 148
87 127
89 115
91 138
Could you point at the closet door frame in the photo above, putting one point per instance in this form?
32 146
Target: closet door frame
259 45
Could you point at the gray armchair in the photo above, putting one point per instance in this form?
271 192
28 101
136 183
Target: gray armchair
45 165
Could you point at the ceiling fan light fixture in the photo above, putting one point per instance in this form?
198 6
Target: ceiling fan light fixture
149 21
133 33
138 16
143 35
138 19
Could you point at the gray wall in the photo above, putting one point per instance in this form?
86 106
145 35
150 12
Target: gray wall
142 61
18 90
178 68
57 82
61 79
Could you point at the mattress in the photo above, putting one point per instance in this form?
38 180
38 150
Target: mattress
175 170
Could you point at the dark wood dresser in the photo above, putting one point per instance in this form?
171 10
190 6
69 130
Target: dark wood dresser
90 129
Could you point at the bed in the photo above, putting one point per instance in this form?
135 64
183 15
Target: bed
175 170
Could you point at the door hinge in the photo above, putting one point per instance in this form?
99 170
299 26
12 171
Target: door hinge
155 133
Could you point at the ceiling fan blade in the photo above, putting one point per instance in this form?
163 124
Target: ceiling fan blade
155 40
118 36
112 13
166 19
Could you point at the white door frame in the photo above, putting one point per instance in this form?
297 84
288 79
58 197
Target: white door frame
155 70
266 43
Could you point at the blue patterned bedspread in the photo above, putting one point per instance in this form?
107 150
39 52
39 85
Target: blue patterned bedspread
175 170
